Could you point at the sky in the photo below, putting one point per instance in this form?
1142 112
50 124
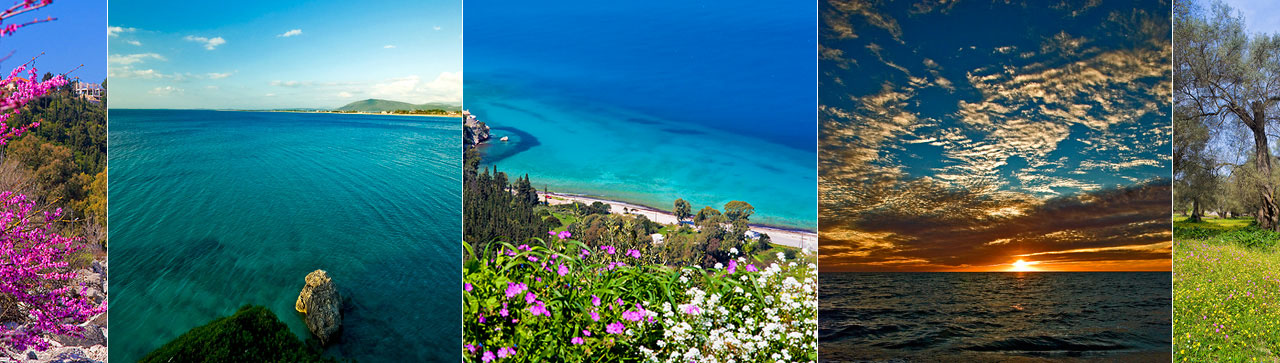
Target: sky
73 39
1042 137
1254 19
280 54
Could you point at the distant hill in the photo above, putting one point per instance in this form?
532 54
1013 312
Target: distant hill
376 105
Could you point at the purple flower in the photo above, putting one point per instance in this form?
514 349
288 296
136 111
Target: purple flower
504 312
585 252
751 268
539 308
470 348
565 234
488 356
576 340
634 253
615 328
514 289
524 248
481 318
586 332
609 249
595 300
595 316
562 270
466 287
530 297
632 315
733 266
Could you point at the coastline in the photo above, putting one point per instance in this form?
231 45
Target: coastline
791 237
352 113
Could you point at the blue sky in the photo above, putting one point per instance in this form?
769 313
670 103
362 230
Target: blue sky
73 39
264 55
1257 14
1014 134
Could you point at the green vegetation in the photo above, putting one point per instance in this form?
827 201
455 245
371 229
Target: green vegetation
376 105
252 334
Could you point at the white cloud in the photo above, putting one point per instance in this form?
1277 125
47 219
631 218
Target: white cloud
114 31
344 94
437 27
290 33
128 59
129 72
134 42
209 43
388 46
166 91
219 75
446 87
270 95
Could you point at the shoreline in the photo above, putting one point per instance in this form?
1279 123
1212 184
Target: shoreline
350 113
787 236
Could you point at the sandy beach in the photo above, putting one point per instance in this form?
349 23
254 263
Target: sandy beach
804 240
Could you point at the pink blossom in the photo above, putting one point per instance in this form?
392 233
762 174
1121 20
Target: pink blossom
733 266
562 270
530 297
751 268
514 289
576 340
615 328
634 253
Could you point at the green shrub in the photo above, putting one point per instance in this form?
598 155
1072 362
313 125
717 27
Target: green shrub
252 334
1251 237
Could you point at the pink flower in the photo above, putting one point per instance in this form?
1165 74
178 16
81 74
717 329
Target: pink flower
632 315
691 309
563 270
565 234
595 300
733 266
751 268
488 356
529 297
539 308
470 348
609 249
503 312
595 316
506 352
466 287
576 340
524 248
615 328
481 319
514 289
634 253
586 332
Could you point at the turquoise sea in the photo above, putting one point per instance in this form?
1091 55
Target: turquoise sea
212 210
646 102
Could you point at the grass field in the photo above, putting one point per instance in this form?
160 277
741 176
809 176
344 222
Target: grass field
1226 292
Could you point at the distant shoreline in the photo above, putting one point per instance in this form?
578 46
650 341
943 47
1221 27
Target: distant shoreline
351 113
788 236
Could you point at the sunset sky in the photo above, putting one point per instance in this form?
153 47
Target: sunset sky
994 141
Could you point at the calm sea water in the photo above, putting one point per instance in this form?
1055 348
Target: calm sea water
709 101
212 210
999 316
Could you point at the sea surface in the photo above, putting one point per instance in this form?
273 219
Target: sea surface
646 102
999 316
212 210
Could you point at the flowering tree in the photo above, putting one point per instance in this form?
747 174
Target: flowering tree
36 296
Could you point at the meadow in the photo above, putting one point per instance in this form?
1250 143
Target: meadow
1226 291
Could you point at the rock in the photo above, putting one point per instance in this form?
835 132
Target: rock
32 355
92 336
98 268
322 305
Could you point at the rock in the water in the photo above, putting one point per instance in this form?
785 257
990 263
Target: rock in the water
320 301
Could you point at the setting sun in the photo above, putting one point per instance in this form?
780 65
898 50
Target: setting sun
1023 266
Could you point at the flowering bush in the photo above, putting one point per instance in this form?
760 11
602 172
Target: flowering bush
560 300
33 277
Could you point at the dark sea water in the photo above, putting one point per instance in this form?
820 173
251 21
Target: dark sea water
999 316
213 210
649 101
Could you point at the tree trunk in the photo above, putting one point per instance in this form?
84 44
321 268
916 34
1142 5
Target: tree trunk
1196 214
1268 211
